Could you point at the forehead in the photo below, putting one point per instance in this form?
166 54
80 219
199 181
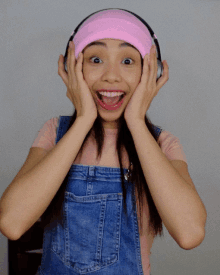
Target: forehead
108 42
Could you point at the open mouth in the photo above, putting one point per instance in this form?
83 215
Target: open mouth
101 97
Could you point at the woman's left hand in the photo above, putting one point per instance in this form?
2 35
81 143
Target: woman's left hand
147 89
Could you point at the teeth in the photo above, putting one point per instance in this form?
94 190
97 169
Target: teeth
108 94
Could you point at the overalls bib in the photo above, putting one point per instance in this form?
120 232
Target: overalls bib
97 237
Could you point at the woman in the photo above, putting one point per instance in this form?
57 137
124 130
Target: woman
106 177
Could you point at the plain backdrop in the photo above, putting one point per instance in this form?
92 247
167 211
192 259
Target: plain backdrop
35 33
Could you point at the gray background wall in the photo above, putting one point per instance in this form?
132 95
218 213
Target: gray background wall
35 33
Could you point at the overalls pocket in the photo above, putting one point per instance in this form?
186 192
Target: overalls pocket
92 229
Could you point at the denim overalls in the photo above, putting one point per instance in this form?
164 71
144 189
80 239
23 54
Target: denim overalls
97 238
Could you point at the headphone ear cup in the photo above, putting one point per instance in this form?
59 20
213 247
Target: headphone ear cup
66 52
65 60
159 69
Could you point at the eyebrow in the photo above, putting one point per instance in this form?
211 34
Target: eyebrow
124 44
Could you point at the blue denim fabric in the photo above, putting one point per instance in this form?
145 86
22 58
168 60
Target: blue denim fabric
97 238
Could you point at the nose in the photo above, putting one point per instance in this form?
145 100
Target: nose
111 73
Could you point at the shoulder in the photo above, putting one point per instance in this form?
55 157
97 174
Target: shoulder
171 146
49 124
45 138
53 122
166 136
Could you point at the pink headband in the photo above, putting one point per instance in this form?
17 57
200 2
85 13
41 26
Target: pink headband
113 24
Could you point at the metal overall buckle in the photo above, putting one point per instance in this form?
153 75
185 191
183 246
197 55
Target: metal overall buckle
127 176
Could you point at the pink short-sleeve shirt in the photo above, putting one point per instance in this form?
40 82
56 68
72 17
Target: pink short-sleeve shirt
169 144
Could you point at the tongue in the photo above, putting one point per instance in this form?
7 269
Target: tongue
110 100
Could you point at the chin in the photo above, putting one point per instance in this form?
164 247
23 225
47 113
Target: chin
111 116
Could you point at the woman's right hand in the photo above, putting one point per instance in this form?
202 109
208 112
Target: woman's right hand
77 89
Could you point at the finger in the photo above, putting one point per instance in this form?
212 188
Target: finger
68 59
152 69
145 71
155 64
79 65
61 70
72 56
156 67
72 65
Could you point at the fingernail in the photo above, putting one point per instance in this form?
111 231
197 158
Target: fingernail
71 44
154 48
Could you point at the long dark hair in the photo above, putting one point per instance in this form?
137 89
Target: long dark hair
54 211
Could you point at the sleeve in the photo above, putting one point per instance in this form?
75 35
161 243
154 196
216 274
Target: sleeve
47 135
171 146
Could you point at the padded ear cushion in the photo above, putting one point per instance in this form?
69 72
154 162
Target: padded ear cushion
159 69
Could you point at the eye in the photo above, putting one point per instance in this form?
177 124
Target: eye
96 58
127 59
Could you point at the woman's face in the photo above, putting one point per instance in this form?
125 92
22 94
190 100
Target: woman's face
111 67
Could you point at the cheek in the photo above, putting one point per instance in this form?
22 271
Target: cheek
89 74
135 78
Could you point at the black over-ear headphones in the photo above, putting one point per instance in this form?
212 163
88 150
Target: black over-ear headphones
159 63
